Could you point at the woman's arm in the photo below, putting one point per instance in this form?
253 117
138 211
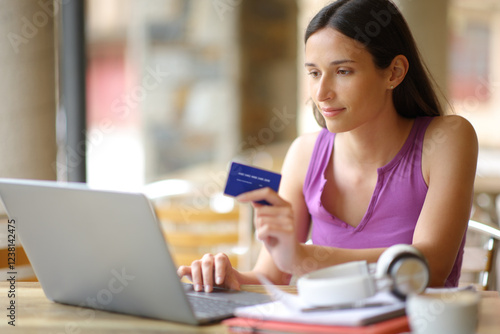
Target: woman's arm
288 213
288 216
448 167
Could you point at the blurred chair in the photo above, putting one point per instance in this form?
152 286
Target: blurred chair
197 219
19 262
478 267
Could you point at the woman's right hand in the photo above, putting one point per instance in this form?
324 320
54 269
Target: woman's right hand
209 271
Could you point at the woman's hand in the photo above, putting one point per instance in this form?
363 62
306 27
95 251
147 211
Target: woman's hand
209 271
274 225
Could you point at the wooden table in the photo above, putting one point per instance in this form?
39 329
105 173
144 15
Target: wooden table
36 314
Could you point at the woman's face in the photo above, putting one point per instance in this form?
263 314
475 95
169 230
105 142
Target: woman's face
344 83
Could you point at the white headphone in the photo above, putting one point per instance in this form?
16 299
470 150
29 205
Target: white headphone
402 269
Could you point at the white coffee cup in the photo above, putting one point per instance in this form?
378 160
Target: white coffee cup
454 312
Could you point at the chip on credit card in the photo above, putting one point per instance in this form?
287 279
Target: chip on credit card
244 178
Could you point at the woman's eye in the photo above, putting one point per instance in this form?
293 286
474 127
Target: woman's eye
344 72
313 74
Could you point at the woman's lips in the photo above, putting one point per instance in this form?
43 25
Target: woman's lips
331 112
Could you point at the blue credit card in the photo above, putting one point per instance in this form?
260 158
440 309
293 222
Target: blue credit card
243 178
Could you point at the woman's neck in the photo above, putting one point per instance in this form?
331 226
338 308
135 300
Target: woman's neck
373 144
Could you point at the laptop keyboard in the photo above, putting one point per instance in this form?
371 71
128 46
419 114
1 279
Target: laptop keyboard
204 307
221 303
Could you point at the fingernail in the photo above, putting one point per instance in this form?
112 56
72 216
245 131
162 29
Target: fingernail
197 287
207 288
218 280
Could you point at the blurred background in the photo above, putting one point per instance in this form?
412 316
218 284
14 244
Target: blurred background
226 68
162 94
167 85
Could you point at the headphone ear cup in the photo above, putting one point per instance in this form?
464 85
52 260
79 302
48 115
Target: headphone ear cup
409 274
389 256
406 267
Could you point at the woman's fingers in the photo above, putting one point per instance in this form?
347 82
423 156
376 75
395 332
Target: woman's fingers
271 220
266 194
209 271
207 267
265 226
185 271
197 275
221 265
275 226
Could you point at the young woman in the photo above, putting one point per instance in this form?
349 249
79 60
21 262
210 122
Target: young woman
387 168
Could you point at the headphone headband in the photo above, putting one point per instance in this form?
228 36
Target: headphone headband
348 282
403 265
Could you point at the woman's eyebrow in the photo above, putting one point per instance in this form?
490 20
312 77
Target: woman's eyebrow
335 62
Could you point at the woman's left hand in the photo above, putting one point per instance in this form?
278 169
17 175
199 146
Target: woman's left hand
275 226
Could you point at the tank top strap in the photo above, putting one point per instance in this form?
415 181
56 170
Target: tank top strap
320 157
421 125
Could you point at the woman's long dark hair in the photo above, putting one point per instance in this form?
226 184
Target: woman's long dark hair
382 29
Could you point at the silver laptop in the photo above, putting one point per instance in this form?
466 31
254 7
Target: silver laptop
105 250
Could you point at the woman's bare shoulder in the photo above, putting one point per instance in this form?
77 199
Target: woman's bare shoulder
451 139
450 124
445 132
299 154
305 142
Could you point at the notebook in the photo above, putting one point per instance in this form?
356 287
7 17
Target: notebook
248 325
105 250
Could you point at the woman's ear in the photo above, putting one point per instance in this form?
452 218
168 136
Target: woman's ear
398 69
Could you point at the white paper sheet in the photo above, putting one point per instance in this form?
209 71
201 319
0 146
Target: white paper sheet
287 307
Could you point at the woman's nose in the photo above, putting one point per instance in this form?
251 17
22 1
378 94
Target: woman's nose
325 89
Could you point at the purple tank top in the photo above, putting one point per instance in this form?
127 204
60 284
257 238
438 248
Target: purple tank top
395 205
